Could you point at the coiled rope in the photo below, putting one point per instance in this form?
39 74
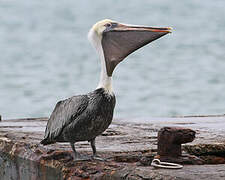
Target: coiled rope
158 164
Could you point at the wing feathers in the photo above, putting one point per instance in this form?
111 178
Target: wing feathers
64 113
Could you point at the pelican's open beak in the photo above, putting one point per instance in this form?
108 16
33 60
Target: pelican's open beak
120 40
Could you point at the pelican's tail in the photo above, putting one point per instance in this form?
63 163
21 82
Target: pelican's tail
45 142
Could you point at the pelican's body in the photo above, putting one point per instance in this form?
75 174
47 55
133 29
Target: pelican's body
84 117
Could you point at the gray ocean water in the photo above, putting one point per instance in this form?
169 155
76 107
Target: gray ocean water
45 56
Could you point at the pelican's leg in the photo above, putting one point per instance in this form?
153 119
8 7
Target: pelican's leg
78 156
93 146
94 150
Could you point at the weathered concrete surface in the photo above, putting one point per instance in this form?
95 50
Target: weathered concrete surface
128 144
209 172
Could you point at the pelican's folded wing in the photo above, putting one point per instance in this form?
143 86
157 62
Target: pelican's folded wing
64 113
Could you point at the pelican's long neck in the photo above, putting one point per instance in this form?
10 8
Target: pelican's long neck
105 81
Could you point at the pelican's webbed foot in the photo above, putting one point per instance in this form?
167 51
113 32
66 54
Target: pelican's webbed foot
78 156
95 157
81 157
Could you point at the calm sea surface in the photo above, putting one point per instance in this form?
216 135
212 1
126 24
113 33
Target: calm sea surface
45 56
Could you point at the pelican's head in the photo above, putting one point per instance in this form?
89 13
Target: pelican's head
118 40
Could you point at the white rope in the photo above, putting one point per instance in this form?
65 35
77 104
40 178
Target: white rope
158 164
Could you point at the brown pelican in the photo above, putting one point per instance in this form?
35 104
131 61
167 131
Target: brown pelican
83 117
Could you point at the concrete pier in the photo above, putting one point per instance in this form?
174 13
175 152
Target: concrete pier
129 145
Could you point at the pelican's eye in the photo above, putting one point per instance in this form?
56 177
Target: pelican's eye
108 25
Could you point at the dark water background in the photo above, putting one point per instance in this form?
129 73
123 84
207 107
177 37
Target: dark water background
45 56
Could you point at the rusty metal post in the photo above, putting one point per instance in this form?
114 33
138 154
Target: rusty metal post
170 140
